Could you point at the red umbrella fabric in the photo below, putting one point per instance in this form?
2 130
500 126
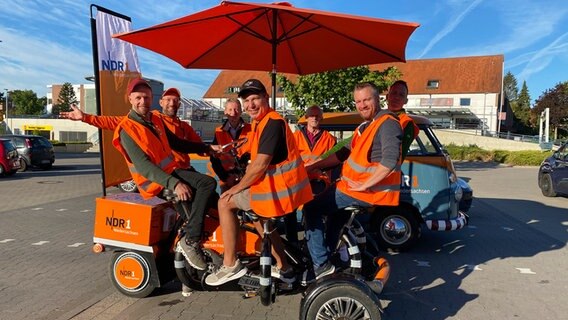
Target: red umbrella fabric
274 37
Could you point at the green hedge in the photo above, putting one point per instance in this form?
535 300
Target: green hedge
516 158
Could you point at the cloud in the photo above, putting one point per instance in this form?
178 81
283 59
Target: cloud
448 28
541 59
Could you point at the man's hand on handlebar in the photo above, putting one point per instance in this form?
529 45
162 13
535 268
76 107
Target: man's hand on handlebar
183 192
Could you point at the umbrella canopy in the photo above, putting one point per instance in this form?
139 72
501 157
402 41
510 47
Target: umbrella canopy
274 37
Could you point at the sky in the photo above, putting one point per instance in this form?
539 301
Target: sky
48 42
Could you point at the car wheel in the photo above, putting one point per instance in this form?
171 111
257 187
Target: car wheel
23 165
128 186
546 186
130 273
396 228
343 302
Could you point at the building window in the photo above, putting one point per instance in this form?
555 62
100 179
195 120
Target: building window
465 102
72 136
233 89
433 84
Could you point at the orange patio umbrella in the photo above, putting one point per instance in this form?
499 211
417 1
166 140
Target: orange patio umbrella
274 37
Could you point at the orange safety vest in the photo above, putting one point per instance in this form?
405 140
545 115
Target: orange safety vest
182 130
285 186
405 120
358 168
325 142
157 148
223 137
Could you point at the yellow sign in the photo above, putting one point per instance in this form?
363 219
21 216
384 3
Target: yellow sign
30 127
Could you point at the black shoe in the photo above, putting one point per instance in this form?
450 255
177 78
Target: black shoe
191 250
311 276
287 276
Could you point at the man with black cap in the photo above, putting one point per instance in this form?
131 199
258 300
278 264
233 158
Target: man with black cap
274 170
147 146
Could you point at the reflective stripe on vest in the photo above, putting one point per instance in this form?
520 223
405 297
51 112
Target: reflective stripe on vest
357 168
284 186
155 147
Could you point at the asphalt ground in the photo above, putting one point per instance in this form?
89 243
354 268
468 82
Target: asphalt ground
509 263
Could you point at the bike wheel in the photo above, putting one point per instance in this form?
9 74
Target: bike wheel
131 274
343 302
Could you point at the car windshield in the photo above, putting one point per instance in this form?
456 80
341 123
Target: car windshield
425 143
8 145
40 142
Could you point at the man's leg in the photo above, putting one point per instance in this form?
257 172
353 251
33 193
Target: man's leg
204 189
313 217
232 267
337 219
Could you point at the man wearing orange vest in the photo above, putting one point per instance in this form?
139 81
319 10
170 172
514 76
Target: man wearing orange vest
170 103
276 168
370 176
312 141
397 97
147 145
233 129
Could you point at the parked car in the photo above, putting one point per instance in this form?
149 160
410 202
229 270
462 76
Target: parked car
9 158
432 195
35 151
553 173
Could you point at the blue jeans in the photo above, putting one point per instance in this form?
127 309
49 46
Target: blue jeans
329 202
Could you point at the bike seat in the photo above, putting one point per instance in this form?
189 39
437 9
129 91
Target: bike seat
355 209
253 217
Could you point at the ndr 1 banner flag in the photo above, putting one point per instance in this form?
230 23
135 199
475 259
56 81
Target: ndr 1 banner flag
117 65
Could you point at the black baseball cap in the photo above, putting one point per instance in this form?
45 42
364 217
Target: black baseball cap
251 86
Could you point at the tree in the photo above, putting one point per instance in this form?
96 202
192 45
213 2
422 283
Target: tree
333 90
26 102
65 99
510 87
556 100
522 111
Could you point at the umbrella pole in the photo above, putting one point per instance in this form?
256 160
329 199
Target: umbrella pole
274 44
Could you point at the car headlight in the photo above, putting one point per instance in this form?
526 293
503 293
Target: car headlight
458 194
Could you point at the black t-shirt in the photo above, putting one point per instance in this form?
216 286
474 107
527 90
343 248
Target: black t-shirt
273 141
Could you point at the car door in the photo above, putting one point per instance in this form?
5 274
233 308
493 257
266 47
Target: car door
560 172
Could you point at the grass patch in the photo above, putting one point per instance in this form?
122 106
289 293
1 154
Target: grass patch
515 158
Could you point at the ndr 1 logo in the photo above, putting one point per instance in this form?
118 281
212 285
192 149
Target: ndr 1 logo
112 65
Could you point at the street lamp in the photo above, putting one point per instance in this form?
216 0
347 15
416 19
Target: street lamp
6 111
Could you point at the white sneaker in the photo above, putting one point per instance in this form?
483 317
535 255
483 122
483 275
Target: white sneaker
185 290
225 274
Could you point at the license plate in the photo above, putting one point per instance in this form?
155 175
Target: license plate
45 161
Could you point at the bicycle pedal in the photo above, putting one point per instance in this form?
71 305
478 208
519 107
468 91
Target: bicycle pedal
285 286
249 282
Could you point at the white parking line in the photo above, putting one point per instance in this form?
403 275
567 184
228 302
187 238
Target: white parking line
86 210
525 271
60 210
507 229
36 209
6 240
40 243
75 245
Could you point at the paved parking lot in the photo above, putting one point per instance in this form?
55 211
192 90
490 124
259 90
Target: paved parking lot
509 263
